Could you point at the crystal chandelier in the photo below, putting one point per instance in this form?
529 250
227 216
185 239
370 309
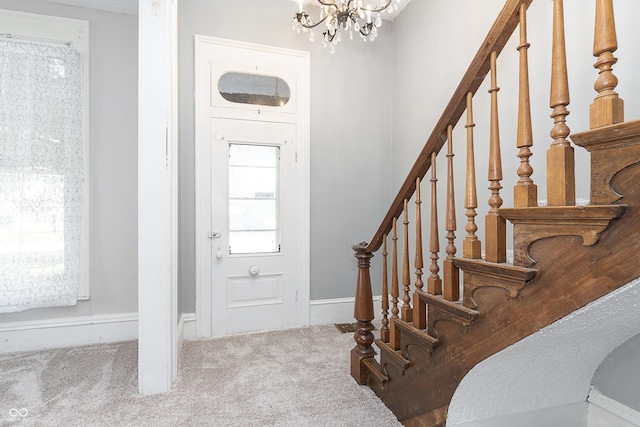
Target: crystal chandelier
348 15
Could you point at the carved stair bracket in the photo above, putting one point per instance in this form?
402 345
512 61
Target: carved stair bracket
421 339
375 371
612 149
532 224
481 274
393 357
441 309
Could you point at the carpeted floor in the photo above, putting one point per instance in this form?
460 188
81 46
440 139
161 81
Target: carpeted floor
294 378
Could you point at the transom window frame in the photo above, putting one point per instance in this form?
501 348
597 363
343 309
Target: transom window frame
75 32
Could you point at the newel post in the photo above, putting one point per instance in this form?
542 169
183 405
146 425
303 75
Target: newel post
363 313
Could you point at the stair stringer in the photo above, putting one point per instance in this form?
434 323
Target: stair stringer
570 276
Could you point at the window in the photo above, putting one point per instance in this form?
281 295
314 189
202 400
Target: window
255 89
44 159
254 207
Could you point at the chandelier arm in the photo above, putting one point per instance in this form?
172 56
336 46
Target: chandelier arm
310 25
328 3
381 8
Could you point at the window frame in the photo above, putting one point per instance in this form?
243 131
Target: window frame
36 27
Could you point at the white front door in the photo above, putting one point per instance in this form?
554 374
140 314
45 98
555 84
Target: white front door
253 226
252 222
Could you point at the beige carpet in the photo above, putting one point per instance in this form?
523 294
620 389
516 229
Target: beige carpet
291 378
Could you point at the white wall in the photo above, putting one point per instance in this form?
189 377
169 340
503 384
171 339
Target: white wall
553 367
113 145
351 93
618 377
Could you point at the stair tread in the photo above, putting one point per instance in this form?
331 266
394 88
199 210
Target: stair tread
497 269
562 215
455 308
395 356
375 370
479 273
422 335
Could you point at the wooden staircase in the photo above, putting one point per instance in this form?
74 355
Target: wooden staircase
564 256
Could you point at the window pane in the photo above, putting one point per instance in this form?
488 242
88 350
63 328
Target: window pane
254 205
252 214
254 89
243 242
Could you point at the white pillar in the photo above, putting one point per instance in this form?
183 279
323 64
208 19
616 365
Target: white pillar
157 196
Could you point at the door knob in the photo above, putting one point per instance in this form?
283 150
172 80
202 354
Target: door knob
219 253
254 270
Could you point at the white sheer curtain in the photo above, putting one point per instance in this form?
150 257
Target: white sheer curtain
41 174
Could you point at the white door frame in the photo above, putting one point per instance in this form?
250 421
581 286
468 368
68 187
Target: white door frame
203 186
157 196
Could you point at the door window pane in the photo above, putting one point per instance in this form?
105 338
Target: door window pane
254 202
254 89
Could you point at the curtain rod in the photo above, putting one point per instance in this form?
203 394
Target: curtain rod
34 39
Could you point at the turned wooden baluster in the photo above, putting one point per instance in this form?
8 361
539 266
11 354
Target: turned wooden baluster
560 158
471 246
608 108
419 260
525 193
495 224
363 313
451 289
384 329
419 308
434 283
394 337
407 312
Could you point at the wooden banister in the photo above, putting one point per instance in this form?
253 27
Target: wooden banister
525 193
419 260
498 35
434 283
384 329
607 108
495 224
395 288
471 247
407 312
451 288
561 185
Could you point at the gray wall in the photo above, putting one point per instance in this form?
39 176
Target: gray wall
351 94
113 145
618 377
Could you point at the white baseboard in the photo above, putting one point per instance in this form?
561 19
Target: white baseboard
67 332
337 310
189 329
574 415
605 411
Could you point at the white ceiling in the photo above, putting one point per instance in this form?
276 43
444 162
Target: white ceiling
130 7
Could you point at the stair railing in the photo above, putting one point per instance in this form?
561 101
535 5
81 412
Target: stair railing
607 109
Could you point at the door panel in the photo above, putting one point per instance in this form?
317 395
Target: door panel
254 218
